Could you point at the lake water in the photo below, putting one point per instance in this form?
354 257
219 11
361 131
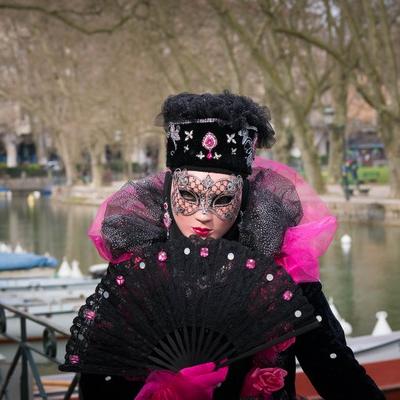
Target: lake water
362 282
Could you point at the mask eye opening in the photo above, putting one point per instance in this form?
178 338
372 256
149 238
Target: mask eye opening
223 200
188 195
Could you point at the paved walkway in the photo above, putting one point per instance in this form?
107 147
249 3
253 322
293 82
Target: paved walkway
377 194
88 195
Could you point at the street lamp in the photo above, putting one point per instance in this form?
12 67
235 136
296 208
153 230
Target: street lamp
329 116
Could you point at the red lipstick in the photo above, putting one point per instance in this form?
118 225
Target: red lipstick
203 232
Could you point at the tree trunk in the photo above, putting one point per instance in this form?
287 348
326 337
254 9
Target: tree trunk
389 132
309 155
10 143
281 149
96 153
67 159
283 133
337 134
162 154
336 153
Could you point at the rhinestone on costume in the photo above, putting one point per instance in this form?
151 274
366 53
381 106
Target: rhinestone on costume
162 256
297 313
186 251
142 265
74 359
319 318
333 356
230 256
167 220
250 263
120 280
107 378
90 314
270 277
287 295
106 295
204 252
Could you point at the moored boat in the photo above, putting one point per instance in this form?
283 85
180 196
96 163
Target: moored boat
379 355
14 265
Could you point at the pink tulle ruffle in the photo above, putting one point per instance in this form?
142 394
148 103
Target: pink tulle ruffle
125 207
304 243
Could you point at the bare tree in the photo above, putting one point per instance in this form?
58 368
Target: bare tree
372 31
297 74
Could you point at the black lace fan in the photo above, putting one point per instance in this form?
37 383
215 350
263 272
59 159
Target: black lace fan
185 302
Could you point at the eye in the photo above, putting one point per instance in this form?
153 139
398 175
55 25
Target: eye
187 195
223 200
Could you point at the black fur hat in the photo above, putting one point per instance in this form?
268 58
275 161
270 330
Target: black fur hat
214 132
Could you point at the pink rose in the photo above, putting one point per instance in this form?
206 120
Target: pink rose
263 381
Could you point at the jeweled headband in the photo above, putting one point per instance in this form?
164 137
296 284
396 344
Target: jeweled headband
210 145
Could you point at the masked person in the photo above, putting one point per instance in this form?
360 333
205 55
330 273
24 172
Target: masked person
215 187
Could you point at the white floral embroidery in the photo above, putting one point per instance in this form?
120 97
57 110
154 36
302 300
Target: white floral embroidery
233 151
247 143
189 135
200 155
173 133
185 148
217 156
230 138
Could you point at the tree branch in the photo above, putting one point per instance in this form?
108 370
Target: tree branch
58 15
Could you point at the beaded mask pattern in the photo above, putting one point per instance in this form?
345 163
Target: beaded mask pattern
191 194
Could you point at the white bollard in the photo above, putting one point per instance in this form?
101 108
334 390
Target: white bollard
382 327
75 270
346 326
65 270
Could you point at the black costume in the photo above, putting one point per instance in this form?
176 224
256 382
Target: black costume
132 219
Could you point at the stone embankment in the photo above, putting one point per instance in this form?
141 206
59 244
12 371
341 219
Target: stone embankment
374 207
85 194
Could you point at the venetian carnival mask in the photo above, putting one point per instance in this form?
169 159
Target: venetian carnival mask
221 197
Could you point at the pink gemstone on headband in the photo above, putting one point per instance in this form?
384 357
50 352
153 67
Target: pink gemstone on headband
120 280
162 256
250 263
209 141
90 314
74 359
209 156
204 252
287 295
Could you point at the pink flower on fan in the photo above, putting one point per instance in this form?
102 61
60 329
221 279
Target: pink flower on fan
263 381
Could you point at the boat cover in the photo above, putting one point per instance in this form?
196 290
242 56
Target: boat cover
15 261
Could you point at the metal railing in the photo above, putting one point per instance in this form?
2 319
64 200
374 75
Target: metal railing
24 353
